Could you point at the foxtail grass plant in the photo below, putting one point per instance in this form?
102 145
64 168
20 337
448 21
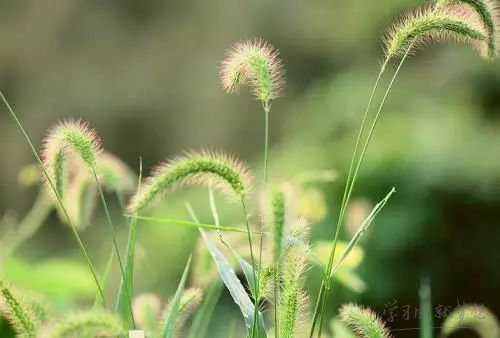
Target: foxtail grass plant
76 137
257 64
430 23
53 188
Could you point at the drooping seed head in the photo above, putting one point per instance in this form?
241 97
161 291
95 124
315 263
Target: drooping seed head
69 137
434 24
257 64
489 14
20 315
220 171
474 317
364 322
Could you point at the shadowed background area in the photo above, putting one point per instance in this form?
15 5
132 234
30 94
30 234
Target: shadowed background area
145 75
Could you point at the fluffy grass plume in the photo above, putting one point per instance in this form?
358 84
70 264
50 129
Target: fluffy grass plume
474 317
68 136
94 323
18 313
146 309
433 24
293 299
257 64
363 322
489 12
205 168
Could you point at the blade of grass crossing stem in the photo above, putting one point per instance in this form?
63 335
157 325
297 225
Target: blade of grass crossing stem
362 230
232 283
127 282
352 184
82 247
426 325
175 304
202 317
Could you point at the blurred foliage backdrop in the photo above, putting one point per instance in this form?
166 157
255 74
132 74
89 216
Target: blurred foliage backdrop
145 74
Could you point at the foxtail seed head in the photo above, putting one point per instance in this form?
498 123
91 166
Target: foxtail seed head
433 24
206 168
364 322
489 14
256 63
474 317
69 136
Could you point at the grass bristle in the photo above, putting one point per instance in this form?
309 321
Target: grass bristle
364 322
217 170
70 136
434 25
257 64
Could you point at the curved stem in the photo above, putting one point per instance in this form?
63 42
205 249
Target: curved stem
321 292
82 247
366 145
28 226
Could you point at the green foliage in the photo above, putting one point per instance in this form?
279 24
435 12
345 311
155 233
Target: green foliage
175 307
60 279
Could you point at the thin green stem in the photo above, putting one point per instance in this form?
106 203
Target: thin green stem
127 282
357 168
113 237
319 299
252 257
58 198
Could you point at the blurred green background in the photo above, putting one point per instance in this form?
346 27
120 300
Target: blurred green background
145 75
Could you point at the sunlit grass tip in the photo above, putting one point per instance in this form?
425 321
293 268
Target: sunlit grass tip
489 14
71 136
430 24
256 63
364 322
218 170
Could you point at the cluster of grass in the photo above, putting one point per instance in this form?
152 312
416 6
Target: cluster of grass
273 252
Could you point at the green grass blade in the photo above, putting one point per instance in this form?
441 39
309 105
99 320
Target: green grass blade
187 224
425 309
82 247
362 229
202 317
174 306
127 282
232 283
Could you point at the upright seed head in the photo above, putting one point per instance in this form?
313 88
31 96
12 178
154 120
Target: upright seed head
363 322
256 63
489 14
69 137
434 24
205 168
